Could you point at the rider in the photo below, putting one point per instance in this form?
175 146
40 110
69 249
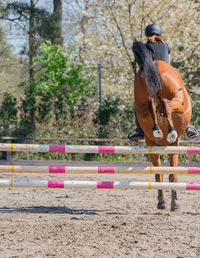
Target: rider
160 51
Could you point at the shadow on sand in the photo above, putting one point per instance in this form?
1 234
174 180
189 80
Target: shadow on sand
50 210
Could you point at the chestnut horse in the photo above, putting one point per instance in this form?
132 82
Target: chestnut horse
163 109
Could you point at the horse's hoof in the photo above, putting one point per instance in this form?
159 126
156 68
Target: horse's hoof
174 207
158 134
172 136
161 206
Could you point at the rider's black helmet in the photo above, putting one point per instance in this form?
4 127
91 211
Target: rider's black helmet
153 29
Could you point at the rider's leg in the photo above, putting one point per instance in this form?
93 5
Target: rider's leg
191 131
139 135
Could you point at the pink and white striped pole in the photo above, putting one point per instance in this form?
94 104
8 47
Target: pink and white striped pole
99 149
99 170
98 185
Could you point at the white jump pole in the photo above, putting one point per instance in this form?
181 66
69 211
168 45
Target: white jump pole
99 170
99 149
98 185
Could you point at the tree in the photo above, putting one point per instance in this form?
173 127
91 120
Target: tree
5 50
57 10
32 43
111 27
38 23
60 81
8 111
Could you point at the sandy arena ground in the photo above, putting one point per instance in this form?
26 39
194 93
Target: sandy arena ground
97 223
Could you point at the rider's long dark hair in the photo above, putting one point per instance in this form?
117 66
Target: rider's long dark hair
145 61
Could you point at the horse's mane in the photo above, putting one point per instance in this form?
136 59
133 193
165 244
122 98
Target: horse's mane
146 64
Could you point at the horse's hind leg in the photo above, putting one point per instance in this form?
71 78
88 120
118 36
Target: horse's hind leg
172 134
173 178
157 133
161 201
155 158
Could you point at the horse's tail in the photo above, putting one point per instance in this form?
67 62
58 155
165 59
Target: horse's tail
148 66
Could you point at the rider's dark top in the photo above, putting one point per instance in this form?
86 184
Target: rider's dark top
160 51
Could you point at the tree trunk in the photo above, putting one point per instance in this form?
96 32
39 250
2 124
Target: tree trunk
57 9
83 23
32 46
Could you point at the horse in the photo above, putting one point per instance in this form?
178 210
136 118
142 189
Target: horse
163 109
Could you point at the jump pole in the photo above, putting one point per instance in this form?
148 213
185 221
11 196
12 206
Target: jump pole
100 149
99 170
98 185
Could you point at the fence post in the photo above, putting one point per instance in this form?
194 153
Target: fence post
8 153
139 155
99 73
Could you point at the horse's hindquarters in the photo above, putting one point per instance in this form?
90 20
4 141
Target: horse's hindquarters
180 122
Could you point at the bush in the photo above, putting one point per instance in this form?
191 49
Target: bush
8 111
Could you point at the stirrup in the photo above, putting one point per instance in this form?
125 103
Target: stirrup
192 131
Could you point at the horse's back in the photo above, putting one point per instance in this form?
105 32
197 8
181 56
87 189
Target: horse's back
172 82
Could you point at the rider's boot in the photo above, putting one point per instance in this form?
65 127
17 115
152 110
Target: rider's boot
139 135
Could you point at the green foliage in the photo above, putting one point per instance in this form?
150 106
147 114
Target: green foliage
44 110
113 117
61 79
195 114
127 118
45 24
5 48
106 115
61 76
8 111
48 27
59 82
108 110
27 111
